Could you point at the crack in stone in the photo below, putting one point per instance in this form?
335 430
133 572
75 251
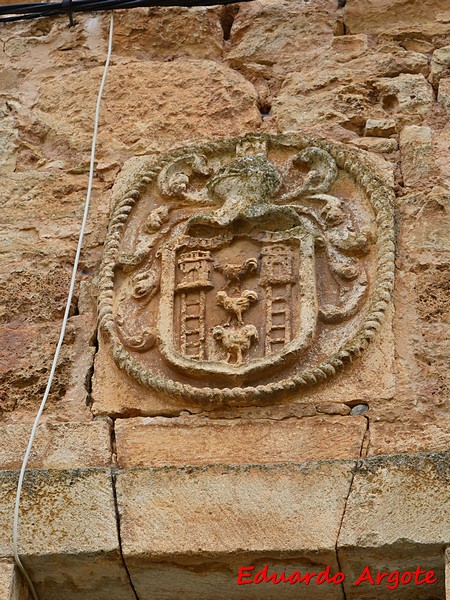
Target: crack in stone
227 17
357 464
90 374
364 450
119 537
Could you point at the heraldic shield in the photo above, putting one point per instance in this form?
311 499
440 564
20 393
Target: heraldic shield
247 269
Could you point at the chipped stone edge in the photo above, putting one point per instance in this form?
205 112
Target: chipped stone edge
382 199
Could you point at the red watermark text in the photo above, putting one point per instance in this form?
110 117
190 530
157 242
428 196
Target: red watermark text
390 580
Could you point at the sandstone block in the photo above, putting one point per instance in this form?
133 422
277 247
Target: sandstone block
195 580
440 63
285 512
425 242
422 307
380 127
26 353
349 46
174 107
397 518
57 445
307 100
67 533
336 90
167 33
159 442
405 93
416 153
411 435
49 46
444 93
116 395
396 16
279 35
417 45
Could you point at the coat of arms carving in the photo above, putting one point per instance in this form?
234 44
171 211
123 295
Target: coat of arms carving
244 270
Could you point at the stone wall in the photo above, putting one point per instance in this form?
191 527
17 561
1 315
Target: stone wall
347 454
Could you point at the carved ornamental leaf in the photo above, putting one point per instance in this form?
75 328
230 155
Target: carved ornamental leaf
244 270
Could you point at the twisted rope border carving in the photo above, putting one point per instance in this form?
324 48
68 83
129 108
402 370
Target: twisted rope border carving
381 198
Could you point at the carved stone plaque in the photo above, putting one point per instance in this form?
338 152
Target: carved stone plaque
242 271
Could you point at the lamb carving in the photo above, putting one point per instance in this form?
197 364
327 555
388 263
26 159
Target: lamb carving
236 341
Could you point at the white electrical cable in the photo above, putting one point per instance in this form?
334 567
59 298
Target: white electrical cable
63 326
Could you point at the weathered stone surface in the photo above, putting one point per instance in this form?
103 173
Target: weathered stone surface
331 408
26 355
116 396
348 47
160 442
57 445
444 93
308 101
25 358
440 64
340 91
406 93
35 49
412 435
430 17
380 127
167 33
269 38
7 576
256 513
67 533
417 45
397 517
416 153
174 106
422 307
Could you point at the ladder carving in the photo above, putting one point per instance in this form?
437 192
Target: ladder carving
278 316
192 331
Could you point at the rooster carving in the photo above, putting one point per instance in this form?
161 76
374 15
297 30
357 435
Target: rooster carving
236 306
235 273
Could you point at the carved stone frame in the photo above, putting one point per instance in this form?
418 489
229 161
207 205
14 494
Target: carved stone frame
381 198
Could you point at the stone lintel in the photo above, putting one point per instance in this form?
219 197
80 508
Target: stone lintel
57 445
68 538
187 530
397 518
156 442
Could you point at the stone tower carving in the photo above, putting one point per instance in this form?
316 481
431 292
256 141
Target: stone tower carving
250 269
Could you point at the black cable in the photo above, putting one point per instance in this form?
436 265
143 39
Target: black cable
67 4
36 10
